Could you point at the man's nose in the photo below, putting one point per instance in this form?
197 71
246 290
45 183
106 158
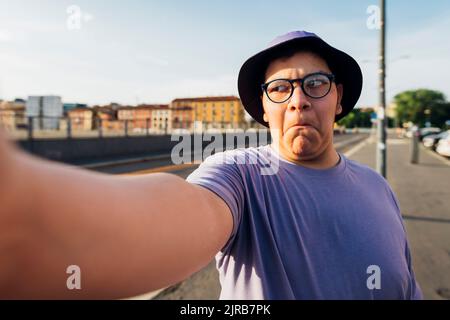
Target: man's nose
299 100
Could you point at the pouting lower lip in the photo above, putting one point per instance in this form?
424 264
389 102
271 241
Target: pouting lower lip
301 126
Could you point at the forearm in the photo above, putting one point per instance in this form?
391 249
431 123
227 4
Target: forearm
109 226
45 213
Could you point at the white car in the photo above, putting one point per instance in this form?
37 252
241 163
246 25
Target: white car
432 140
443 146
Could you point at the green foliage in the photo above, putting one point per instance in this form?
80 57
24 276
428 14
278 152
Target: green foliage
422 105
356 118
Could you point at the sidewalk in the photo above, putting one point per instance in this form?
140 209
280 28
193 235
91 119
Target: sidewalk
423 191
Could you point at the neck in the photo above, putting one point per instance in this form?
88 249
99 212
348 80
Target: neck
325 160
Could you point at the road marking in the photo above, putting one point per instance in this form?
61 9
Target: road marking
397 141
356 148
171 167
345 143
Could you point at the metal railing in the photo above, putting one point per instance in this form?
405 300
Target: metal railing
47 127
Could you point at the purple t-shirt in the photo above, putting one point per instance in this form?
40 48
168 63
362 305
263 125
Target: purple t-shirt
302 233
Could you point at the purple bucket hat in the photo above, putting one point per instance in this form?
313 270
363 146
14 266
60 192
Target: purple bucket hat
344 67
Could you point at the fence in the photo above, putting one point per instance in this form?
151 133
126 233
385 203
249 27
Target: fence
46 127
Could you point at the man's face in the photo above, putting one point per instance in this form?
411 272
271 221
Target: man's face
302 127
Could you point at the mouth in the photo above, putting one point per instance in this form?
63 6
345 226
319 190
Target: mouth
301 126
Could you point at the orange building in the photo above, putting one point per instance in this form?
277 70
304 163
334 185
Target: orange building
223 111
107 117
81 118
139 117
182 117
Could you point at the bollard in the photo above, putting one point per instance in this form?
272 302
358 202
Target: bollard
30 128
415 146
69 128
99 125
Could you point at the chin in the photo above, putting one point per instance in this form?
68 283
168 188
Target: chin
301 152
301 146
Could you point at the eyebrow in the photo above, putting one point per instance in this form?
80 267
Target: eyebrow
284 77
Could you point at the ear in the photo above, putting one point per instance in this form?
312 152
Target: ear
265 117
340 93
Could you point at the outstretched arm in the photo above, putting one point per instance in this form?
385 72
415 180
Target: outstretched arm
128 234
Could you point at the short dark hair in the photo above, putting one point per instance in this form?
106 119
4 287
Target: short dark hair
290 51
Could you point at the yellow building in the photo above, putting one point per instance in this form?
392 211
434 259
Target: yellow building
219 112
161 117
391 110
12 115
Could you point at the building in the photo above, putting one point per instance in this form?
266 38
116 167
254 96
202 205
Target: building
105 112
137 118
161 119
140 118
106 119
391 110
12 114
211 112
81 118
69 106
46 111
182 117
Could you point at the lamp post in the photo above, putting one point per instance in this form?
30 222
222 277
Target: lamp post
381 145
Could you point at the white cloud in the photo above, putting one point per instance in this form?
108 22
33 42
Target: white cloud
5 36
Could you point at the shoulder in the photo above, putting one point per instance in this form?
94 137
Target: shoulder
365 172
367 177
240 156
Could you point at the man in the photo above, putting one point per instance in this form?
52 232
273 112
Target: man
316 226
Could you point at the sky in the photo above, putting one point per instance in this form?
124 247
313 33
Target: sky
136 51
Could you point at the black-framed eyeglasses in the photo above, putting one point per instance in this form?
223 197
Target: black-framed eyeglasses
315 85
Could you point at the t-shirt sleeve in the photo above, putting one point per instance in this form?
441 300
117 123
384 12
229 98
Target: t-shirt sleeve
220 174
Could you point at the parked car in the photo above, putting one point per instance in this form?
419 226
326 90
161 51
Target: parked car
423 132
432 140
443 146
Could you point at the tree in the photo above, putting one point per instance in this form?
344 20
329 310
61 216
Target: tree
422 105
357 118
